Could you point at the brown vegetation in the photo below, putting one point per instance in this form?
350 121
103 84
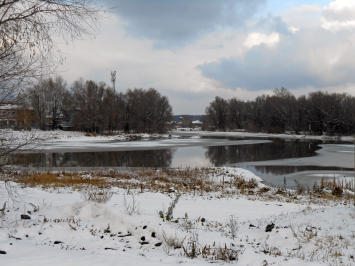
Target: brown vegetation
195 181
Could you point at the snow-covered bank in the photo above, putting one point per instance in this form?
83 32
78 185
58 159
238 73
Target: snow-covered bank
63 229
261 135
72 136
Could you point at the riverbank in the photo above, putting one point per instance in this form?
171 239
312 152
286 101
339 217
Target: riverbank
261 135
187 216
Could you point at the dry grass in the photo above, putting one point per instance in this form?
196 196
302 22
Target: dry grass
196 181
64 179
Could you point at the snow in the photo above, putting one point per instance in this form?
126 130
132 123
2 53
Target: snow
64 216
262 135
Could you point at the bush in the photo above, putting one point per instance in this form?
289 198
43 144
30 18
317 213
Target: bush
233 226
169 215
131 208
95 194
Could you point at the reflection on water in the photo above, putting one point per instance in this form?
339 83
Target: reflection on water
278 149
286 169
152 158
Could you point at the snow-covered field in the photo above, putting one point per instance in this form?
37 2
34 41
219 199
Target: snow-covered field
63 229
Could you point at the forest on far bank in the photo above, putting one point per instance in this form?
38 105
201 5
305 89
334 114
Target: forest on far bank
318 113
96 107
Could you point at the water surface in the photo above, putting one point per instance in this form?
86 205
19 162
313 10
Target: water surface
274 160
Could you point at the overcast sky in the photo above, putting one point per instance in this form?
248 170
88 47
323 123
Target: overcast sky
194 50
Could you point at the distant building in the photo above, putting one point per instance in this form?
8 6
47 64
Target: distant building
12 115
196 123
8 115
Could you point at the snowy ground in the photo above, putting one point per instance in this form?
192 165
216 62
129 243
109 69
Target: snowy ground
89 233
260 135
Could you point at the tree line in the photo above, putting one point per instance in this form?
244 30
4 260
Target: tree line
94 107
318 113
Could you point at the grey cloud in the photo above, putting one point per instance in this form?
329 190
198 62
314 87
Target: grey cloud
175 23
294 63
270 23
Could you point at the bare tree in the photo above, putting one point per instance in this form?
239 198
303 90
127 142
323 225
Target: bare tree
218 113
29 34
317 113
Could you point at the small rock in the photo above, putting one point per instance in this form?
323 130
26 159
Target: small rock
101 237
144 243
269 227
26 235
29 212
251 225
158 244
153 234
2 252
57 242
203 220
145 227
25 217
143 238
265 263
110 249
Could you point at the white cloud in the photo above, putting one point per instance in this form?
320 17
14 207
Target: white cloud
304 16
293 29
340 5
339 15
256 38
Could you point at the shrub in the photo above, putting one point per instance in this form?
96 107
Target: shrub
233 226
169 215
131 208
95 194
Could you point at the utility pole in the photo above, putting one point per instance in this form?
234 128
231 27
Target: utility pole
113 80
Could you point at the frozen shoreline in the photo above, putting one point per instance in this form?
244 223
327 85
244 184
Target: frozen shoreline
259 135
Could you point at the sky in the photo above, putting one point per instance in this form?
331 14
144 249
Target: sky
194 50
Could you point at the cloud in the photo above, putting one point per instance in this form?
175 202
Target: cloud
305 16
339 15
256 38
270 24
339 10
310 57
176 23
